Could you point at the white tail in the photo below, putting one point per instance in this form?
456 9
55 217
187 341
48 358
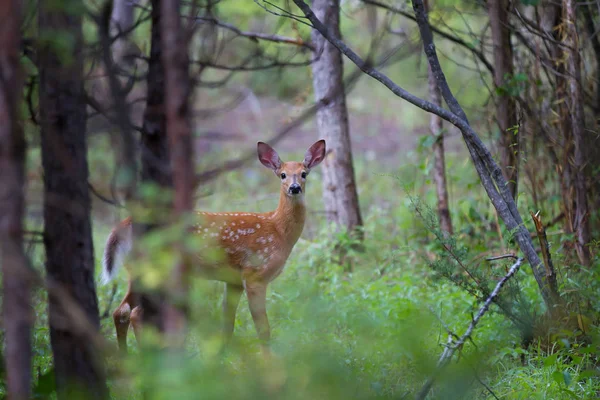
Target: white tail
118 245
255 246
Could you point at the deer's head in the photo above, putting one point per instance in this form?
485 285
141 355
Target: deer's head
292 174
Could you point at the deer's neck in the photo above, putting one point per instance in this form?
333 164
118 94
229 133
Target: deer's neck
289 217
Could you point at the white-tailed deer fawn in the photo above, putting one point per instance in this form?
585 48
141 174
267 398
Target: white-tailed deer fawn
255 247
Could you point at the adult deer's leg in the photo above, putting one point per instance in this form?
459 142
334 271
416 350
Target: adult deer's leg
231 300
257 298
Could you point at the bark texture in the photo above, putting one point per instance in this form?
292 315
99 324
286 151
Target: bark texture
339 186
439 170
16 292
67 228
179 132
506 111
580 213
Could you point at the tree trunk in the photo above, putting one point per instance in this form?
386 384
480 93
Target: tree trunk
67 229
156 170
339 187
506 112
552 16
155 150
439 169
179 133
580 212
16 301
121 22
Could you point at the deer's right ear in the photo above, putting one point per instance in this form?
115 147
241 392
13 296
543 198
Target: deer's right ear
268 156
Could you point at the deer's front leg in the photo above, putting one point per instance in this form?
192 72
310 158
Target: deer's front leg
231 300
257 298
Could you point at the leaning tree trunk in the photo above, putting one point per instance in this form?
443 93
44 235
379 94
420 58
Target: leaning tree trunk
179 132
439 169
67 228
581 215
506 112
16 292
339 186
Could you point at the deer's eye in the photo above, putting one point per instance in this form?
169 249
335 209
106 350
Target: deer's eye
283 175
303 175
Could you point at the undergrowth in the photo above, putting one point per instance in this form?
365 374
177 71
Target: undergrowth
373 331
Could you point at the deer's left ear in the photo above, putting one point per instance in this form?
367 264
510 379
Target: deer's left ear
315 154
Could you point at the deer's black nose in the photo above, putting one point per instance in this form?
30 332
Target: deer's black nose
295 188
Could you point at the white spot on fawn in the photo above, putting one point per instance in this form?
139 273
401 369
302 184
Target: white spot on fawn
257 226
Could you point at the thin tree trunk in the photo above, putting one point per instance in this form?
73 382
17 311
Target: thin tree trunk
16 301
121 22
506 112
552 14
156 169
155 150
581 213
439 169
339 186
67 229
179 132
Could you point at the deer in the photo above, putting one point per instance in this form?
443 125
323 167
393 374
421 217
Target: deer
254 246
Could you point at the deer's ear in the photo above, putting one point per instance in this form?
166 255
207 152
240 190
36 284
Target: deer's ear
268 156
315 154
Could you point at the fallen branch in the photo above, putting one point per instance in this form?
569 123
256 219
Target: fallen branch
452 345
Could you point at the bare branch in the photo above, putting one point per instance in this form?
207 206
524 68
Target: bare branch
455 39
257 36
452 345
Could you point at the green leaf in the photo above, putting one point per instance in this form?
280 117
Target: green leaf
558 377
550 360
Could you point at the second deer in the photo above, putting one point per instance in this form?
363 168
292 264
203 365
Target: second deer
255 247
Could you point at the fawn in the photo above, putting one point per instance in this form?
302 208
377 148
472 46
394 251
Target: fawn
255 248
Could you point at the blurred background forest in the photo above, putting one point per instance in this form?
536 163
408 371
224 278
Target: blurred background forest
451 239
